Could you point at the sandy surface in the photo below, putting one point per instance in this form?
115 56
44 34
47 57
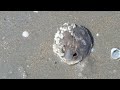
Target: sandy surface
33 57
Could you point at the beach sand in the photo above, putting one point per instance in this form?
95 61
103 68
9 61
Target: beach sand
32 56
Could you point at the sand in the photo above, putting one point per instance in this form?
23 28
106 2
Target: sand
32 56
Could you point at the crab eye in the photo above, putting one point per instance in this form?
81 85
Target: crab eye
75 54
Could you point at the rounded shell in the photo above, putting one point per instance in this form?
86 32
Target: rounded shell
115 53
72 43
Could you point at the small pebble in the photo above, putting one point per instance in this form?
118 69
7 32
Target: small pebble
25 34
97 34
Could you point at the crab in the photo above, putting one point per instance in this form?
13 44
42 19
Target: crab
72 43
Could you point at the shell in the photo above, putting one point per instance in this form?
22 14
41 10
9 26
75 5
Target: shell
115 53
72 43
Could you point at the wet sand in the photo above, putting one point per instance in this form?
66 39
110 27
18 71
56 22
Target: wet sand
33 57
